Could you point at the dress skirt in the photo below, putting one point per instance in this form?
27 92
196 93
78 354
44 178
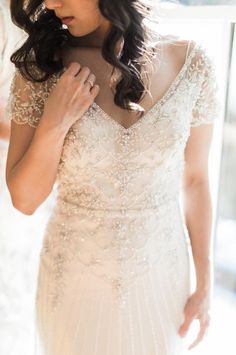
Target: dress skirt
99 308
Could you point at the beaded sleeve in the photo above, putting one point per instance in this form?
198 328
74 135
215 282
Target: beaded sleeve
26 100
207 104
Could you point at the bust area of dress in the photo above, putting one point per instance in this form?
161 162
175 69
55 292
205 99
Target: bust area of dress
114 266
164 68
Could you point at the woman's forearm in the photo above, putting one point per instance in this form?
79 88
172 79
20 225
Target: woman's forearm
32 179
198 218
4 123
4 130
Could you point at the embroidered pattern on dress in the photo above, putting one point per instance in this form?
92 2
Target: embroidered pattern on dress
117 206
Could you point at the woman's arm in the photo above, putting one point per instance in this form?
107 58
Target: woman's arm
198 218
38 132
197 203
4 128
32 164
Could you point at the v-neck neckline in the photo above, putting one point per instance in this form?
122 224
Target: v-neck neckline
157 105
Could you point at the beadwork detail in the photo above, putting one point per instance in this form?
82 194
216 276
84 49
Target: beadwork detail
117 210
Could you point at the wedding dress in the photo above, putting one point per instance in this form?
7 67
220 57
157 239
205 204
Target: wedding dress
114 267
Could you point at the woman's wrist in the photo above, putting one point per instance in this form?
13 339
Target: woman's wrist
204 287
204 275
45 127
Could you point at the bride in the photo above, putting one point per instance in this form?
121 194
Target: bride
123 124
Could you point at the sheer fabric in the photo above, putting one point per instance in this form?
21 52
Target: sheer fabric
114 268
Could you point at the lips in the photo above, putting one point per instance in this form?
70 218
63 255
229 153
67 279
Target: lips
66 20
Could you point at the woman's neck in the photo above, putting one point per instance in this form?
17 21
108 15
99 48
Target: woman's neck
94 39
90 43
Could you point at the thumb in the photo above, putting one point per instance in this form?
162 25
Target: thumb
185 325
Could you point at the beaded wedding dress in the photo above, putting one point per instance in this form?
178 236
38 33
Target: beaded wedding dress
114 267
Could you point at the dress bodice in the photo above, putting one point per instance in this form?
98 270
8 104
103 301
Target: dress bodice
106 166
118 188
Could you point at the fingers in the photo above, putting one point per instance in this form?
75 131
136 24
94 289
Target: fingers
190 313
78 77
196 307
72 70
90 79
202 332
187 322
83 75
77 73
95 90
80 74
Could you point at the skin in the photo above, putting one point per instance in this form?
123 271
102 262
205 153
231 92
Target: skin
34 154
4 126
89 24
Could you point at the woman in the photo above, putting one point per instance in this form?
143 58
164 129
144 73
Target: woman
114 267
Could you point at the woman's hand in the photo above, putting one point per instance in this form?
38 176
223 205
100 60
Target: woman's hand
70 98
197 306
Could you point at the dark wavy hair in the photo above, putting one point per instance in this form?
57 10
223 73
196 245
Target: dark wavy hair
47 36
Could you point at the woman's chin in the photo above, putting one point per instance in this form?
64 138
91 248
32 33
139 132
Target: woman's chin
75 32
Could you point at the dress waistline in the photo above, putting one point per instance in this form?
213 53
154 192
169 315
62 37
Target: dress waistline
70 209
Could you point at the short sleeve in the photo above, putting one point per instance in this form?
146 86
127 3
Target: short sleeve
207 105
26 100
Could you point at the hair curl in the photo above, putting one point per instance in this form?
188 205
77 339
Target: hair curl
46 38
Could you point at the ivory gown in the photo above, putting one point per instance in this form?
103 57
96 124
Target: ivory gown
114 267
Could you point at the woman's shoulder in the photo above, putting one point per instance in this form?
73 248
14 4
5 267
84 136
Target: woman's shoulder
177 46
172 52
27 98
180 50
32 78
